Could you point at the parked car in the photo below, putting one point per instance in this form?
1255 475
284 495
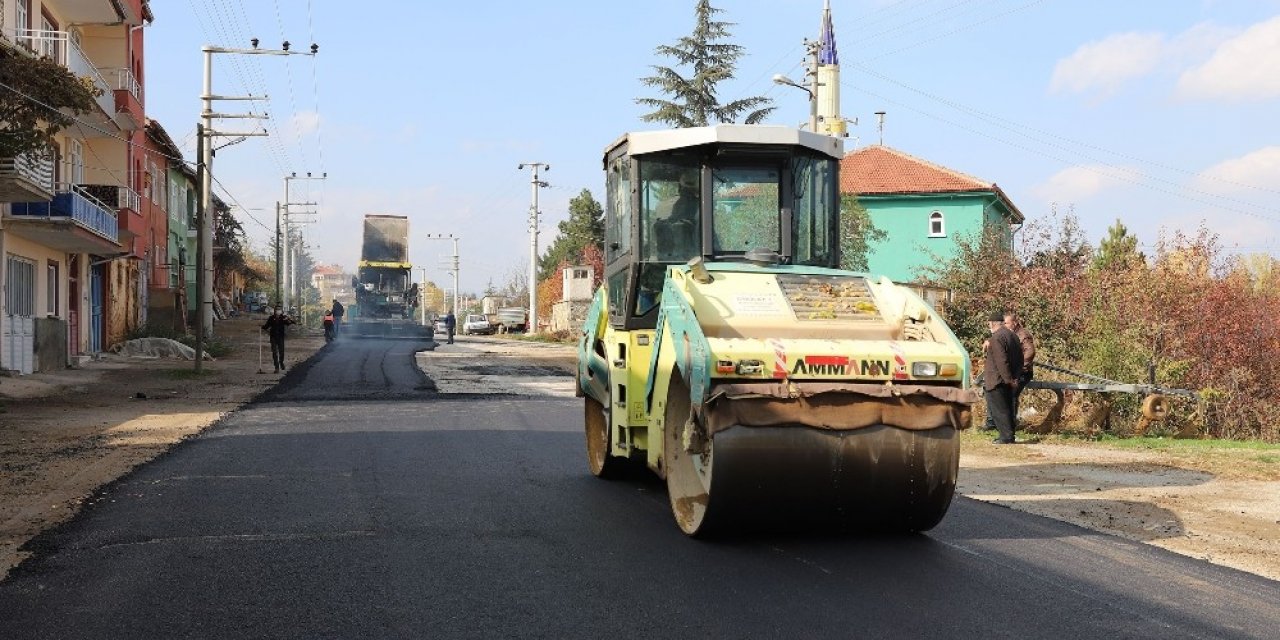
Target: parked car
476 325
440 327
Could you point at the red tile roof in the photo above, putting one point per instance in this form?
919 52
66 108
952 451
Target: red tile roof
881 170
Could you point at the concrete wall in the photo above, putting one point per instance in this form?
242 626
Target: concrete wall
568 315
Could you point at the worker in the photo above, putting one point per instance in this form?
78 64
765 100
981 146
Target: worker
275 327
337 311
450 323
330 330
1028 342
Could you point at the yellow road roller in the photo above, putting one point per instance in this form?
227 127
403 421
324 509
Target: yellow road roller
727 352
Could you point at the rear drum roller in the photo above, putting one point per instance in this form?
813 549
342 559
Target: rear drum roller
597 421
687 462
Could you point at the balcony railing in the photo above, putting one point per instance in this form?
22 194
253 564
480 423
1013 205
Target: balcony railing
26 176
126 81
114 196
76 203
58 46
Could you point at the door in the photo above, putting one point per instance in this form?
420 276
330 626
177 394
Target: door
19 335
97 278
73 305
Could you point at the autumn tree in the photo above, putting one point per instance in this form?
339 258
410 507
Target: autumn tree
693 101
40 98
585 226
857 232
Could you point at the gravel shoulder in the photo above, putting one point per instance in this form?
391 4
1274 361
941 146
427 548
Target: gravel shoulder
64 435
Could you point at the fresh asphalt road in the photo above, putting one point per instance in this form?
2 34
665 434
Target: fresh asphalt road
355 501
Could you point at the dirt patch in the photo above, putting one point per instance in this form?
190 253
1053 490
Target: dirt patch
66 433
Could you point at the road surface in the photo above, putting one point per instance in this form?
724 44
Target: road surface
358 500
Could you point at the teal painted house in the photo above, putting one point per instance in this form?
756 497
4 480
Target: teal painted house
922 208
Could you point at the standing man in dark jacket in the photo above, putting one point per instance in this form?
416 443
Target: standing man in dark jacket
450 323
338 311
1001 368
275 327
1028 342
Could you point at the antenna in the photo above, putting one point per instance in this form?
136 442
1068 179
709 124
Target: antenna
880 125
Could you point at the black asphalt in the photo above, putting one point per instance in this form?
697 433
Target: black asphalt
314 514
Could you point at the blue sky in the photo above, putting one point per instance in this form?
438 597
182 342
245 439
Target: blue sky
1160 112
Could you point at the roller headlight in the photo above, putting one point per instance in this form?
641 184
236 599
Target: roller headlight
924 369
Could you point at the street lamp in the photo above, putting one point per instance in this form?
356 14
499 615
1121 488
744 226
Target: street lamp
778 78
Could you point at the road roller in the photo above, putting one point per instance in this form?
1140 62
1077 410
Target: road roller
727 351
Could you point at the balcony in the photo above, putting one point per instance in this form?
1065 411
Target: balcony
26 177
128 99
59 47
74 221
126 202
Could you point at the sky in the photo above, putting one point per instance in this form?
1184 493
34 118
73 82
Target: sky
1159 113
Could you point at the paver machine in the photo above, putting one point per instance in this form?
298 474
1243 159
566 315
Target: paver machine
727 352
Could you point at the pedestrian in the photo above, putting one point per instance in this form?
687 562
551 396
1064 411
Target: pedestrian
329 328
275 327
1028 342
338 311
1001 367
450 323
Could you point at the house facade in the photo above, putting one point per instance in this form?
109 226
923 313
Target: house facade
922 207
70 216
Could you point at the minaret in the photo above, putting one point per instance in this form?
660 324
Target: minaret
828 90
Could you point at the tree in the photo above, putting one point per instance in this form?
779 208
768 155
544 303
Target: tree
693 101
584 227
1118 251
857 232
40 98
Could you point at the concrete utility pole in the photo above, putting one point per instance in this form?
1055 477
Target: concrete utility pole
204 293
534 214
454 269
422 296
289 285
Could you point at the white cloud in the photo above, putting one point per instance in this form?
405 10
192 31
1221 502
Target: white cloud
1246 67
1257 169
1078 183
304 123
1107 64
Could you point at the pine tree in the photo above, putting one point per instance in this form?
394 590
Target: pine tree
693 101
1118 251
585 226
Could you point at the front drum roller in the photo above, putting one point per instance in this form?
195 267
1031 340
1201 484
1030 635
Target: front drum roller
878 478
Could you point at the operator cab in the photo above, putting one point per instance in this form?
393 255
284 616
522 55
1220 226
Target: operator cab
725 193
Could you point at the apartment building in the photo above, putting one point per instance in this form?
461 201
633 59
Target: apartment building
73 235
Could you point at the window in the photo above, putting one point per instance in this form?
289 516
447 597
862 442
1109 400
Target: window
617 240
51 289
670 210
23 23
937 229
745 209
20 292
48 40
75 161
816 202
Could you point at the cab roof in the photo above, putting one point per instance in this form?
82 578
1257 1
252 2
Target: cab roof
641 142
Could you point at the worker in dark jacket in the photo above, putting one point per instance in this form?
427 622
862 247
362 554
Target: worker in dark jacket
275 327
450 324
1001 369
337 310
1028 342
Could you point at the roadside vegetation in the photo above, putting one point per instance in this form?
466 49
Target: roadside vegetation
1187 316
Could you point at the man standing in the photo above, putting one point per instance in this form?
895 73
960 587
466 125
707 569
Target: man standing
337 312
275 328
450 323
1028 342
1002 365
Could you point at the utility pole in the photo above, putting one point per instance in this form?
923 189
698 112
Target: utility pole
422 297
813 48
279 254
454 269
535 184
288 286
204 292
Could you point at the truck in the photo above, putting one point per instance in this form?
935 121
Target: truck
728 352
511 320
387 299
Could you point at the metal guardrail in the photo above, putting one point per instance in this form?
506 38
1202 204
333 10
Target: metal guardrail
1100 384
61 48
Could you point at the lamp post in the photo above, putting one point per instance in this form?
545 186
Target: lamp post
813 97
